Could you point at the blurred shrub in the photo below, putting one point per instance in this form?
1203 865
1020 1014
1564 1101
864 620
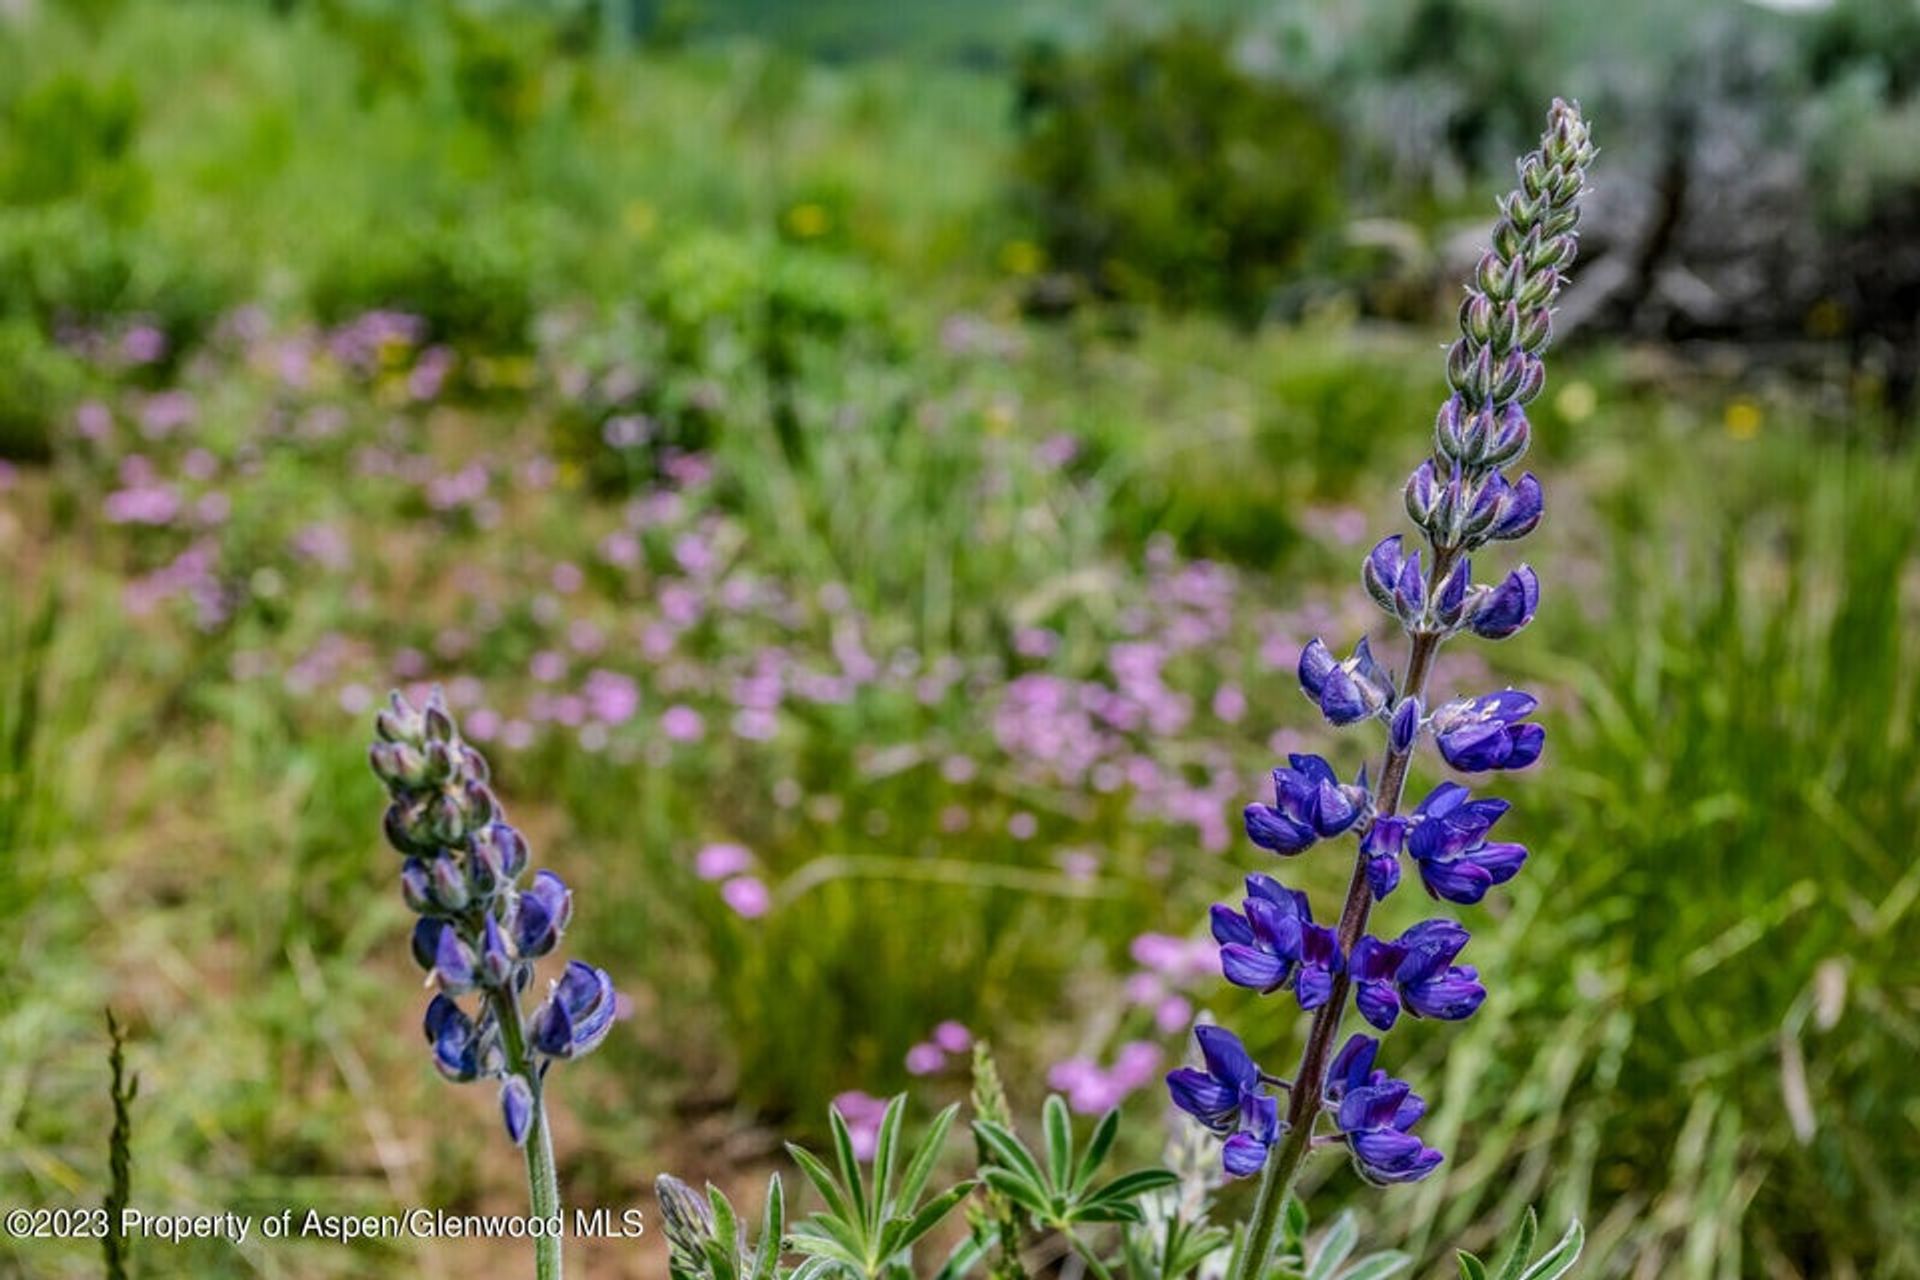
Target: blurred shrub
472 282
64 266
1155 168
68 136
37 381
722 332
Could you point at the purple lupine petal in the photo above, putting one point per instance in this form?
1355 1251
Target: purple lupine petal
1341 700
1371 1106
1450 602
1243 1155
552 1030
1429 945
1316 664
1442 800
1410 590
1405 725
1313 988
1311 767
1475 749
426 940
1227 1059
1290 901
454 963
1389 1156
1256 970
1456 881
1528 741
1207 1100
1508 607
1229 926
1383 875
1450 995
1352 1065
1381 570
1374 960
496 965
1500 860
516 1108
1378 1002
1523 508
1273 830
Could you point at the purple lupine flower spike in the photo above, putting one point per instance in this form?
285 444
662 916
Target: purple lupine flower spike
1462 500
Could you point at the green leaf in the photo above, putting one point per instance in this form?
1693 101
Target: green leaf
773 1225
1010 1151
1101 1211
883 1150
818 1246
822 1181
1129 1186
720 1259
849 1165
1560 1259
1097 1148
1294 1224
726 1235
929 1216
814 1268
1059 1130
1017 1188
920 1167
1378 1266
1471 1268
844 1234
1341 1237
1520 1250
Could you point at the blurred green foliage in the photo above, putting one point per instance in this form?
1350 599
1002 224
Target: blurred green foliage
1156 169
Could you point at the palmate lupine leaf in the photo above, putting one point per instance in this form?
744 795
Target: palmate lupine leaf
870 1223
1062 1194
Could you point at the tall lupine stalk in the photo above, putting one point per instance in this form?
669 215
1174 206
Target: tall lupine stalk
1461 500
480 933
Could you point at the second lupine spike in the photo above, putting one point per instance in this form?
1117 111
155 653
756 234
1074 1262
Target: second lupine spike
479 931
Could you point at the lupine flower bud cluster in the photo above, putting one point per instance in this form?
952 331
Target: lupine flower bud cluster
1461 500
480 931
